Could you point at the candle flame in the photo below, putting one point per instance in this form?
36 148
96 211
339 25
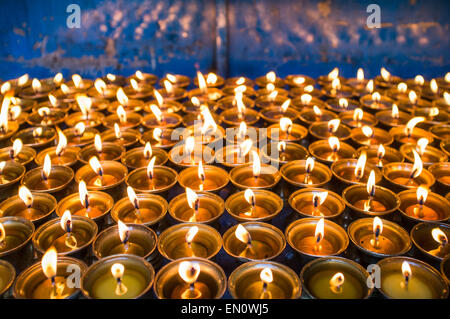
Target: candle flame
148 150
317 110
36 85
406 271
271 77
49 263
412 96
157 134
434 86
256 164
26 196
85 103
211 79
422 144
242 234
168 86
47 168
208 121
343 102
5 87
240 89
381 151
417 166
66 221
249 196
320 230
23 80
402 87
17 146
358 114
285 105
299 80
132 197
134 84
369 86
377 226
337 281
95 165
4 125
360 165
117 270
189 144
240 104
376 96
195 101
121 114
266 275
419 80
192 197
385 74
62 142
286 125
319 198
306 98
2 233
122 97
117 131
333 141
201 171
157 112
2 166
333 74
189 271
124 231
100 86
333 125
150 166
309 88
242 130
412 123
336 84
140 75
273 94
309 164
281 146
245 147
434 111
240 81
37 132
44 111
190 235
172 78
438 235
159 98
447 77
98 143
201 81
80 128
395 114
65 89
83 193
111 77
360 75
77 80
422 194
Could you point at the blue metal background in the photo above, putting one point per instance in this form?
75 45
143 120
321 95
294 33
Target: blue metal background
230 36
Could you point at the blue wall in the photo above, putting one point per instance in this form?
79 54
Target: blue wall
233 37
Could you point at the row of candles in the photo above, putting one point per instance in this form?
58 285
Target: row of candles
102 163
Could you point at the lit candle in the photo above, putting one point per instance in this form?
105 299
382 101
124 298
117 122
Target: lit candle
101 179
88 210
370 204
441 238
421 210
189 272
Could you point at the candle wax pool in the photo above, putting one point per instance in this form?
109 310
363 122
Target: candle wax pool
319 286
184 250
91 211
30 213
405 181
105 286
156 182
45 290
106 180
256 291
10 242
315 211
308 179
422 212
394 286
203 214
144 215
308 245
200 291
65 243
256 212
61 160
132 249
258 250
206 185
383 245
50 183
375 206
259 181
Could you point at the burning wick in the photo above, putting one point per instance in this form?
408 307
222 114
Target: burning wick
26 196
370 191
49 267
377 230
244 236
2 235
309 168
440 237
422 194
333 141
417 167
134 200
117 271
193 202
201 175
124 235
84 197
189 272
380 154
97 168
319 233
250 198
66 225
16 148
46 169
407 273
336 282
318 199
150 173
266 277
256 166
190 237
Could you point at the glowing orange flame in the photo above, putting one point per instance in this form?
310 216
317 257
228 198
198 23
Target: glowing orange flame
281 146
80 128
358 114
333 141
83 193
286 125
189 144
121 114
121 97
157 112
47 168
271 77
377 226
306 98
385 74
201 81
140 75
124 231
168 86
190 235
412 123
360 165
333 74
320 230
256 164
402 87
22 80
369 86
211 79
66 221
337 281
333 125
65 89
439 236
49 263
150 166
266 275
419 80
299 80
111 77
317 110
159 98
245 147
36 85
367 131
242 234
433 86
360 75
395 114
17 146
319 198
376 97
406 271
5 87
343 102
189 271
285 105
77 80
417 166
148 150
100 86
157 134
95 165
422 194
309 164
381 151
117 131
192 197
134 85
26 196
422 144
336 84
98 143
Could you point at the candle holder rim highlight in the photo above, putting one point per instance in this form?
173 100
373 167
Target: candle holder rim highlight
29 224
118 258
155 168
217 267
374 147
411 260
355 223
182 196
187 170
338 259
113 229
370 213
175 227
69 171
434 166
287 165
313 189
31 129
312 150
263 264
418 246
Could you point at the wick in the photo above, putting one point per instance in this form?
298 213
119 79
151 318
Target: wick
11 153
196 208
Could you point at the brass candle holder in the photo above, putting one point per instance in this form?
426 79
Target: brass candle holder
54 181
406 176
270 77
234 117
274 113
376 102
342 105
138 157
430 239
142 77
46 116
189 240
125 120
16 245
307 237
231 102
419 205
66 155
7 275
402 135
209 136
380 155
138 91
367 135
308 101
80 136
330 151
244 176
189 119
193 106
206 94
253 241
392 118
246 90
376 239
33 283
104 151
208 281
400 274
380 202
317 202
139 240
163 138
154 179
129 105
428 154
323 130
338 91
235 154
177 80
335 278
441 172
237 135
358 118
183 155
168 120
241 80
350 172
305 173
90 119
445 269
206 207
282 152
254 205
209 178
440 132
287 131
133 279
295 92
299 80
315 114
10 175
272 100
248 282
36 137
73 243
